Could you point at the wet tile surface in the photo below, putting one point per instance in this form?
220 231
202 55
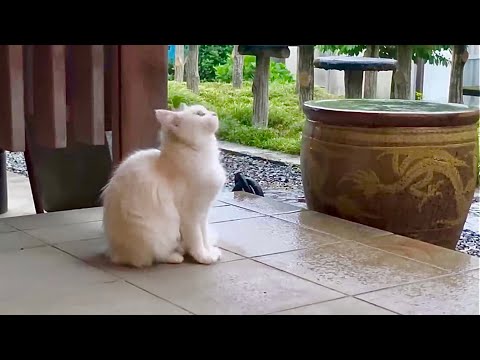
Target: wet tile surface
112 298
42 269
94 252
307 265
474 273
343 306
350 268
450 295
71 232
257 203
331 225
17 241
229 213
57 218
262 236
237 287
424 252
5 227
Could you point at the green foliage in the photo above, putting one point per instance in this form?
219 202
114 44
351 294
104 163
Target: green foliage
429 53
210 56
171 70
418 95
278 71
235 110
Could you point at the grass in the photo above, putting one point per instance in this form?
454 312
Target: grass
235 109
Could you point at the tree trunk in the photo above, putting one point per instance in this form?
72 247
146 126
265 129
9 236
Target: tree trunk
403 74
179 62
191 68
459 58
370 87
420 75
260 91
237 75
392 85
305 73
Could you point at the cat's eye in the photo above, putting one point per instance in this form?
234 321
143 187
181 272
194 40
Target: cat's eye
200 113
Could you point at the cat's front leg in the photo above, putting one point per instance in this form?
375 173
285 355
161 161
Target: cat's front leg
210 239
193 240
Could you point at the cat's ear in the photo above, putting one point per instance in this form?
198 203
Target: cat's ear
167 119
182 107
211 124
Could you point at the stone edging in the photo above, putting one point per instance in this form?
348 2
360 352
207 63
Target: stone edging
273 156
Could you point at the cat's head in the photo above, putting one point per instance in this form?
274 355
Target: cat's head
192 125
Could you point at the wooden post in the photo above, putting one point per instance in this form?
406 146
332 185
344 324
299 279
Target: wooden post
260 91
12 115
420 75
370 87
237 72
459 58
263 53
143 88
49 122
191 68
305 73
86 81
353 84
404 72
179 62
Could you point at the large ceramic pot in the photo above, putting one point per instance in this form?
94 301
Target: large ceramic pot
408 167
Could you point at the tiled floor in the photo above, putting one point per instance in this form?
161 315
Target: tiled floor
277 259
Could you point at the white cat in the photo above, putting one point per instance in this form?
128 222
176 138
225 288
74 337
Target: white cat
155 207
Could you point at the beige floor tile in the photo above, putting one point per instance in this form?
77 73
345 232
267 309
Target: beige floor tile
343 306
422 251
93 251
474 273
262 236
260 204
350 267
228 213
56 218
113 298
72 232
16 241
4 228
449 295
332 225
44 269
236 287
219 203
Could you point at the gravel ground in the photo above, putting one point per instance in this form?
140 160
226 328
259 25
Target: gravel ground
284 183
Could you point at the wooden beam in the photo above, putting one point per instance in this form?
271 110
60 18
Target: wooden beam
143 88
12 115
85 78
112 98
49 97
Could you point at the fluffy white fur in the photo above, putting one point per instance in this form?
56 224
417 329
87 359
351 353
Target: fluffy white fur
157 201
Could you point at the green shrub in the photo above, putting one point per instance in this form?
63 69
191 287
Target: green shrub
278 71
235 109
210 56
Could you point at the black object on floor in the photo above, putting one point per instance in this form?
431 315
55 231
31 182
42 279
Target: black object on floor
243 183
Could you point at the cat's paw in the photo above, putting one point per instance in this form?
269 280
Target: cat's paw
207 256
175 258
215 253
